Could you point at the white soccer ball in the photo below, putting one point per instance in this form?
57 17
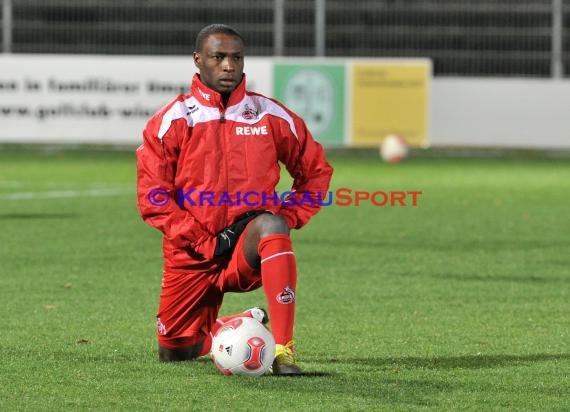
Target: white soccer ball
393 148
243 346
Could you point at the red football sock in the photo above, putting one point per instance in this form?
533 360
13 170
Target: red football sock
279 278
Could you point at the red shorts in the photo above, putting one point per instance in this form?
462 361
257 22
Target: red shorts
190 301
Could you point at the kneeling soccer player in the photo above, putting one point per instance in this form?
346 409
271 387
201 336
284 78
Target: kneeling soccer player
202 154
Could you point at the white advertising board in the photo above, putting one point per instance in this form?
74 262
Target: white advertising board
95 99
515 113
108 99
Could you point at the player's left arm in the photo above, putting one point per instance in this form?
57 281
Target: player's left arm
305 160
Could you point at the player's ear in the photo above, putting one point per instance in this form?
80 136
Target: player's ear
197 59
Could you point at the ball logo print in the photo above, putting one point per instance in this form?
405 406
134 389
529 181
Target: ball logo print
254 362
233 324
243 346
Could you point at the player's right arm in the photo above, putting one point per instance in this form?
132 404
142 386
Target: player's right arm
157 160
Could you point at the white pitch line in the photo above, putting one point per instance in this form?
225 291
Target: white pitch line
63 194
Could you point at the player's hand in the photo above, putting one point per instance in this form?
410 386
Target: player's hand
227 238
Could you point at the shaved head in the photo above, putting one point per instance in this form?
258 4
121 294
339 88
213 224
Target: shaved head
215 29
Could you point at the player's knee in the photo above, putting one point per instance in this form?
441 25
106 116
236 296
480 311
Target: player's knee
166 355
268 224
174 355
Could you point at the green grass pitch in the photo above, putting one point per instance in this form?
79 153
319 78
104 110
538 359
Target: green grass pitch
459 303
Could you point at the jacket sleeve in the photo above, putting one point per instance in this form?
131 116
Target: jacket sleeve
305 160
156 192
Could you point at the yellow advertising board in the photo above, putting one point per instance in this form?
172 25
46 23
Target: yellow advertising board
390 98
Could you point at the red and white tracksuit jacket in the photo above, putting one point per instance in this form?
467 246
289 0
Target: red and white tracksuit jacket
207 157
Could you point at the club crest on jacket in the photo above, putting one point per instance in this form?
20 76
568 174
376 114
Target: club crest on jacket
249 113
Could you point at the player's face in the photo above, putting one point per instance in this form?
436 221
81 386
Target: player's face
221 62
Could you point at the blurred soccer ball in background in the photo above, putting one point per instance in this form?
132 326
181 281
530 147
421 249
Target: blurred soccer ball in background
393 148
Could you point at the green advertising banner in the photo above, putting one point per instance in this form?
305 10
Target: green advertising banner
316 93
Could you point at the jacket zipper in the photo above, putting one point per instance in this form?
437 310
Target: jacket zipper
223 134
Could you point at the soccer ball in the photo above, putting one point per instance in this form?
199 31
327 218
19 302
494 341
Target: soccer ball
393 148
243 346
